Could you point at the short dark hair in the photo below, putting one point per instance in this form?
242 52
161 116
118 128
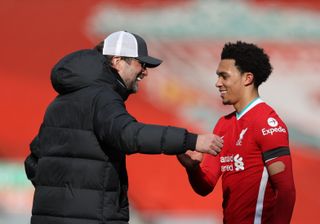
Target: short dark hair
99 48
249 58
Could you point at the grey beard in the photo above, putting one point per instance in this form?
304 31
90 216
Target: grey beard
135 87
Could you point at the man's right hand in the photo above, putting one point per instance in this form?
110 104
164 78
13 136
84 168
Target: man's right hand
209 143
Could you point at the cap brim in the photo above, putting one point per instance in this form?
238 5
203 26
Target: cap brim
151 62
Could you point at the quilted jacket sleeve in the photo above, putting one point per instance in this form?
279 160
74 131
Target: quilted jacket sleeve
31 162
115 127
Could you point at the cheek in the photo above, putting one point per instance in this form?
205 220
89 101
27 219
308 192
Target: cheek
234 84
234 89
135 71
132 73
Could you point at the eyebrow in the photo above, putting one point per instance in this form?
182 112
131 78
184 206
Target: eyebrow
221 73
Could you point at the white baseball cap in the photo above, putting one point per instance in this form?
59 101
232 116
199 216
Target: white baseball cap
125 44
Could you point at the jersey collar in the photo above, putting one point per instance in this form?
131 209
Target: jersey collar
252 104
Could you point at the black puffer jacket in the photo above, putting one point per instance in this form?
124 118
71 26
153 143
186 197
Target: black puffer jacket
77 161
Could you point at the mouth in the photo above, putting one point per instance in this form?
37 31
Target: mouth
139 77
222 92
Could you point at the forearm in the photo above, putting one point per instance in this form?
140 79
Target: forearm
284 206
115 127
155 139
283 184
199 181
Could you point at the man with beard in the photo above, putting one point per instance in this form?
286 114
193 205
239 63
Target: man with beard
78 159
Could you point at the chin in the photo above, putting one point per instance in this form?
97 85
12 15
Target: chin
226 102
135 88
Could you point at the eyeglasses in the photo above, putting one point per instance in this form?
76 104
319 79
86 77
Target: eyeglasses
143 64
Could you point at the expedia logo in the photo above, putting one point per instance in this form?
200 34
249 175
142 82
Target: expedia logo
272 122
270 131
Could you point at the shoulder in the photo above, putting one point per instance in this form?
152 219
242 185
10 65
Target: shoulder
107 91
227 118
106 94
224 122
267 116
270 131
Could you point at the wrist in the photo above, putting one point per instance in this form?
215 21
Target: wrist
193 168
191 141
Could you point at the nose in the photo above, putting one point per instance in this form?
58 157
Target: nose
218 82
144 72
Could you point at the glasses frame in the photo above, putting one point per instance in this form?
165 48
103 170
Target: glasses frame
143 64
128 59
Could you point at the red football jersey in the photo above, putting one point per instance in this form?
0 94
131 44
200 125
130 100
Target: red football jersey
248 196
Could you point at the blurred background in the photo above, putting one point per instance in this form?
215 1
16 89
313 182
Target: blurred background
188 35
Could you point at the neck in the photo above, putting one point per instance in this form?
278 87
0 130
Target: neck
246 99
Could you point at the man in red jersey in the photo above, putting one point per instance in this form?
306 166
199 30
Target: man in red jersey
255 163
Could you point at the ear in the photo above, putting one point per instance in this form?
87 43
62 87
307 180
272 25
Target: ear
249 78
115 60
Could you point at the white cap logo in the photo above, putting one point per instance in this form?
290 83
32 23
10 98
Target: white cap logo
272 122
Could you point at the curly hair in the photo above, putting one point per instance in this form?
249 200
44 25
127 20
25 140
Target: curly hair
249 58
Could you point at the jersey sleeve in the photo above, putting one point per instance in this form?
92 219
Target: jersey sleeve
211 169
204 179
272 138
211 164
271 132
